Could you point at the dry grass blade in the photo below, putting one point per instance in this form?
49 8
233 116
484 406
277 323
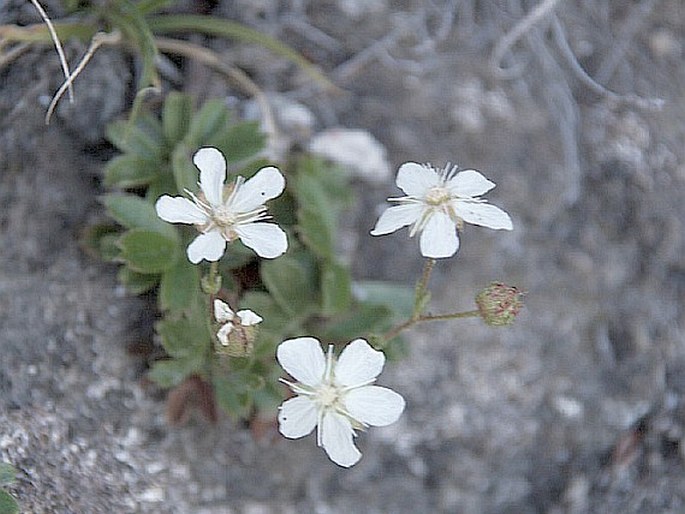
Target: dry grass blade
211 59
13 54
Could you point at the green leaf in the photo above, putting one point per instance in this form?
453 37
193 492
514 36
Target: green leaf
136 213
127 18
137 283
276 320
396 349
398 297
236 256
234 390
179 287
150 6
269 397
165 184
130 170
8 505
362 321
144 143
184 337
332 180
185 173
321 194
277 325
171 372
176 116
291 280
211 119
336 293
100 241
148 252
315 216
241 141
7 474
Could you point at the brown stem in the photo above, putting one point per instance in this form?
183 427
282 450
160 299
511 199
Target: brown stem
428 317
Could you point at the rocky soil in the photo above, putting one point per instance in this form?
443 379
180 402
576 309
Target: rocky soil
579 407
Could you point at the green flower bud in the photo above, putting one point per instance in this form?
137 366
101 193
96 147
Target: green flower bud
499 304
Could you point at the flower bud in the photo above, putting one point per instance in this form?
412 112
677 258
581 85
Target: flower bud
499 304
238 331
236 340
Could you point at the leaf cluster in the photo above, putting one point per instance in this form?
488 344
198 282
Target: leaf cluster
307 291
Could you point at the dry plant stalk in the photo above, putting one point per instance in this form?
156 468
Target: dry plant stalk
99 39
58 45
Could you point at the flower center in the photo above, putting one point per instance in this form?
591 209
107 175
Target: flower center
223 217
328 395
437 196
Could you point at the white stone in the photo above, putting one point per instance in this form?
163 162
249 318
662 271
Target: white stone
354 149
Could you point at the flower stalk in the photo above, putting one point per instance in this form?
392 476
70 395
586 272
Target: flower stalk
392 333
421 293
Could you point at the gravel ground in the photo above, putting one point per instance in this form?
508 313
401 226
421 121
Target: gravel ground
577 408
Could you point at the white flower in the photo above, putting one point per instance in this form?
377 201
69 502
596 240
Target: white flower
437 203
335 396
224 314
224 214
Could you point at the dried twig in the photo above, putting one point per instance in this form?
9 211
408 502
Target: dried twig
99 39
542 10
559 96
628 31
58 46
567 53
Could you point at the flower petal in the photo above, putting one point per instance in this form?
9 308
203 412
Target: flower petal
469 183
415 179
212 165
249 318
297 417
336 438
303 359
374 405
267 239
483 214
267 184
223 333
179 210
439 238
209 246
358 364
394 218
222 312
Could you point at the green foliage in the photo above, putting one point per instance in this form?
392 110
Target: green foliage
157 160
145 251
306 291
7 474
291 280
8 505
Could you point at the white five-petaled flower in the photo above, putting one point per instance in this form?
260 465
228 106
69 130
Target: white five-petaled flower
225 213
335 396
225 315
437 203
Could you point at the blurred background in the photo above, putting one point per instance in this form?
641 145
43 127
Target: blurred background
573 108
